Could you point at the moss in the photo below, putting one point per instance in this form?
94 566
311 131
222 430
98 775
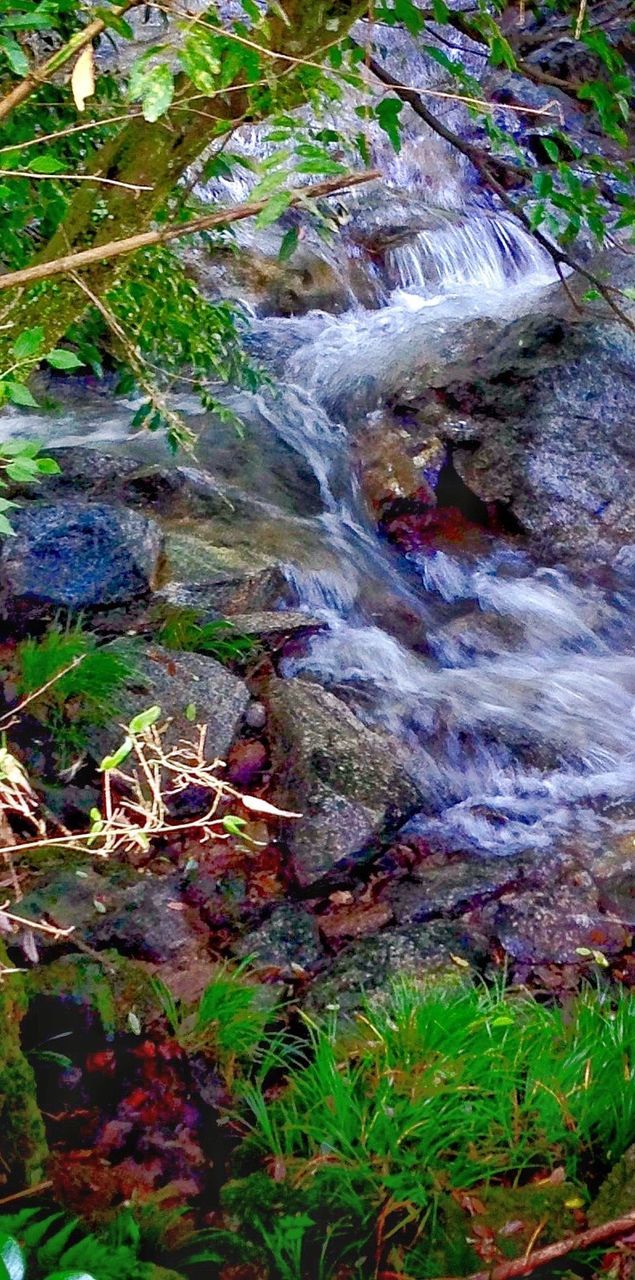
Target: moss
112 987
617 1193
23 1149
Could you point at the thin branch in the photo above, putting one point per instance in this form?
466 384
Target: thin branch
39 75
72 177
9 716
542 1257
487 166
115 248
64 133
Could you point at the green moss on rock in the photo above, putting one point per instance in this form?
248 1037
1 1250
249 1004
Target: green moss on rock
23 1149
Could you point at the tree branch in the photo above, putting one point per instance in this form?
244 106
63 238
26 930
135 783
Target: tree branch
75 261
487 166
541 1257
39 75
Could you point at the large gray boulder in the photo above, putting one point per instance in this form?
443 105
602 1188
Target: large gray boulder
77 555
350 783
192 682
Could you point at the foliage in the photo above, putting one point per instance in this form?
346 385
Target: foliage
565 185
229 1022
433 1093
37 1246
88 695
182 629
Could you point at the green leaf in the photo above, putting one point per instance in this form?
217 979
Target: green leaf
387 113
274 208
17 393
28 343
118 757
144 720
288 244
48 467
59 358
9 532
190 712
234 826
154 86
200 61
15 55
22 470
45 164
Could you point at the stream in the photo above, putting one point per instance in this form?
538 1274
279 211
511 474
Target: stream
511 682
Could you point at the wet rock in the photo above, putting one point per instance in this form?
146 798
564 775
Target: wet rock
551 925
454 886
395 465
77 555
348 921
68 900
555 442
617 896
177 681
23 1149
272 627
423 951
287 940
350 783
227 592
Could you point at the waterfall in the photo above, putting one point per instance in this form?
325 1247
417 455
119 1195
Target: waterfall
486 251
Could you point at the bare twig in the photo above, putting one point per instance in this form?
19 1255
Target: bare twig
115 248
29 1191
542 1257
72 177
9 718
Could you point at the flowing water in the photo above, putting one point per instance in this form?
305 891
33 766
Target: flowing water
512 683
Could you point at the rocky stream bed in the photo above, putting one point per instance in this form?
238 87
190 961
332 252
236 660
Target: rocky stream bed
426 528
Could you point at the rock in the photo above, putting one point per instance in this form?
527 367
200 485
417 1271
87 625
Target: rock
256 716
617 1193
394 464
287 940
144 918
149 921
270 628
549 926
245 764
350 783
85 992
77 555
175 681
23 1149
424 951
227 592
454 887
617 896
555 439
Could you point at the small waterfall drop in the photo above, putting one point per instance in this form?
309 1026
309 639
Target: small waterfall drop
478 251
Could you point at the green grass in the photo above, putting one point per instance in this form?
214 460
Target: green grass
433 1092
361 1140
89 695
182 629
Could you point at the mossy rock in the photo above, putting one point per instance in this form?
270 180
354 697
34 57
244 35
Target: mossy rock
112 988
617 1193
23 1149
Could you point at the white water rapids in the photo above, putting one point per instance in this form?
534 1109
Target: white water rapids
517 701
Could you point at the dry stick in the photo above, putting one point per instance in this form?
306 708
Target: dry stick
583 1240
114 249
72 177
30 1191
39 75
486 164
